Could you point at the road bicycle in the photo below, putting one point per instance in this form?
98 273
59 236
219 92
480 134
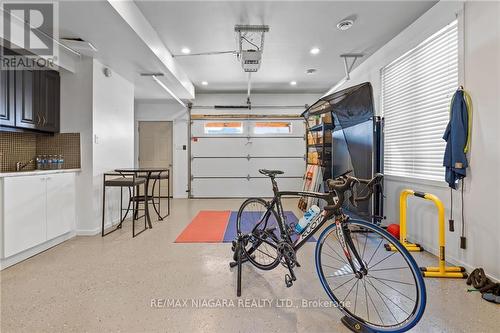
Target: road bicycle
376 290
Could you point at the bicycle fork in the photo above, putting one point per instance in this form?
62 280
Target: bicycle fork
350 251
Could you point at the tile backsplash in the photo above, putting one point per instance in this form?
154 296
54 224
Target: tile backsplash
22 147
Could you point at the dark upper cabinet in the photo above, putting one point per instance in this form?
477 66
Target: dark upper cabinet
26 100
7 98
49 99
30 100
37 104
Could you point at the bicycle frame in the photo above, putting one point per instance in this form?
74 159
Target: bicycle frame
342 232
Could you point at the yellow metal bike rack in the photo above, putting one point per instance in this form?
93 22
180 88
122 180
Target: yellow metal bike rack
412 247
442 270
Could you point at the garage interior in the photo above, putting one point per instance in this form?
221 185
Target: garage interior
189 136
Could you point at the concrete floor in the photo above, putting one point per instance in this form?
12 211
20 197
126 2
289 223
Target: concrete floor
94 284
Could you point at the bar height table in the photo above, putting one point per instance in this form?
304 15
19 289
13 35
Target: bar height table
146 172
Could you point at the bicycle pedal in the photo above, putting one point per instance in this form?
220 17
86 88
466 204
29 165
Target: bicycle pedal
288 281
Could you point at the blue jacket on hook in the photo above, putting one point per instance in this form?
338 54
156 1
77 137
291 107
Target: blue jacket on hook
456 137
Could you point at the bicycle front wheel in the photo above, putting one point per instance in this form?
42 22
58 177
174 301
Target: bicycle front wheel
391 297
260 223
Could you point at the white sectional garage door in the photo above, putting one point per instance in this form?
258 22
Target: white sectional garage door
226 155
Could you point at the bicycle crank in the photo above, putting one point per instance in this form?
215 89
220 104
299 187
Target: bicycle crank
286 254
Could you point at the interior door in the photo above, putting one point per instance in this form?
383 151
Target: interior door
155 147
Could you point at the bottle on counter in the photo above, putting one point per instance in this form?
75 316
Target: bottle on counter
44 162
39 162
60 162
50 162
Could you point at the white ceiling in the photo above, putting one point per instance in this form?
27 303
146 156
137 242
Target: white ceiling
295 27
118 45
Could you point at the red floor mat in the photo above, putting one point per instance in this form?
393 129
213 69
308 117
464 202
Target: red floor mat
207 227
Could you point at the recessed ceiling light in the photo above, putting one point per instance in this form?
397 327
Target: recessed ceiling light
205 83
311 71
345 24
185 50
293 83
314 50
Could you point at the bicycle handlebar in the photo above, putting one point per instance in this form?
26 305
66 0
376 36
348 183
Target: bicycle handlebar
344 183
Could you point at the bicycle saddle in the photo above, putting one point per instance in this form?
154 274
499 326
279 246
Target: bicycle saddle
271 173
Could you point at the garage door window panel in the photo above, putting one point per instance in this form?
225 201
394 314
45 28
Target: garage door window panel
223 128
272 128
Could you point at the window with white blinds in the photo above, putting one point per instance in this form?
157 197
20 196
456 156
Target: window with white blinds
416 93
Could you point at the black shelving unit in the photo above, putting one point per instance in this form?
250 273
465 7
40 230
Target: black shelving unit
324 148
356 141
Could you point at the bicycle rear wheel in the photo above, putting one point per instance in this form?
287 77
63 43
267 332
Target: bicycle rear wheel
391 297
260 225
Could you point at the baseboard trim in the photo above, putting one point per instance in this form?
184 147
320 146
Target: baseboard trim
97 230
17 258
452 260
88 232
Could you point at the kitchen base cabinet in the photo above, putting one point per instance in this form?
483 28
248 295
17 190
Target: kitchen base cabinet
60 204
36 210
24 213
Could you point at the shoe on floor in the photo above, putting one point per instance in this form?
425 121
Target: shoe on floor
491 298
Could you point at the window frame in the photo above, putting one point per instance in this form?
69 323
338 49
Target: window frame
458 22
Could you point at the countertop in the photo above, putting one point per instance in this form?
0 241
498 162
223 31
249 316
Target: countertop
35 172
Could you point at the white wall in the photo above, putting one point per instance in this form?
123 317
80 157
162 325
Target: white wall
480 76
168 110
76 117
113 135
99 108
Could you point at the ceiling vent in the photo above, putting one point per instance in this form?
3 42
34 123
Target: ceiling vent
79 45
345 24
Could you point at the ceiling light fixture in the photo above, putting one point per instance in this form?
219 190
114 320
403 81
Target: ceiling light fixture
314 50
185 50
293 83
345 24
311 71
161 84
204 83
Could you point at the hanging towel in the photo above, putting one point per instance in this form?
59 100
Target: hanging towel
457 137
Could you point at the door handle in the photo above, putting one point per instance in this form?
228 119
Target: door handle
44 121
38 119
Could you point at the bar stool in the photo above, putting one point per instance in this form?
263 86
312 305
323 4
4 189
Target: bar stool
158 177
132 183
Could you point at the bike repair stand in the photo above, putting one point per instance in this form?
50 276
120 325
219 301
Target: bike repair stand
355 325
238 251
